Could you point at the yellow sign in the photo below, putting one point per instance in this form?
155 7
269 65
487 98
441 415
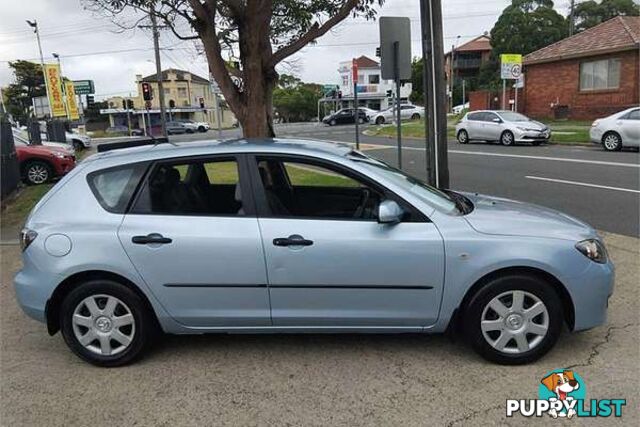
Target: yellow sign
54 86
72 106
511 58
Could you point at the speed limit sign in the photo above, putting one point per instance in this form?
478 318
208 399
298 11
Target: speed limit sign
511 66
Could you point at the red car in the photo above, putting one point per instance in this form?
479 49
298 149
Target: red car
40 164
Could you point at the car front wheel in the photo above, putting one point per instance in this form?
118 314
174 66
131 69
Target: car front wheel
37 173
507 138
380 121
415 116
463 137
514 319
611 141
333 122
105 323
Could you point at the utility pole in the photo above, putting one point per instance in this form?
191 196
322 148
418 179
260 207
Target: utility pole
435 96
34 24
571 17
156 46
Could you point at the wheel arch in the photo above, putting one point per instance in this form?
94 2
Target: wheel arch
52 308
30 160
565 298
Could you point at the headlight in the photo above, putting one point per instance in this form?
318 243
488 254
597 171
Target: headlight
593 249
59 154
27 237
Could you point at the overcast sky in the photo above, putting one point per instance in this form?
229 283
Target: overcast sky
91 47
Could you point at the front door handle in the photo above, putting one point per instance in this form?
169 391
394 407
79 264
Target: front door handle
293 240
149 239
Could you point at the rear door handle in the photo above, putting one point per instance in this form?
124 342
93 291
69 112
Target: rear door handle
293 240
153 238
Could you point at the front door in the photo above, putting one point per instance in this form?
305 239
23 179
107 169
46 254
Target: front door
630 128
330 263
193 236
491 127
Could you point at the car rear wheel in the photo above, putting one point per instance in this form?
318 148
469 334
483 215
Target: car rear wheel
202 129
463 137
36 173
415 116
105 323
507 138
513 319
611 141
380 121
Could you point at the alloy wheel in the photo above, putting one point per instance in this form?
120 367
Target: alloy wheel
103 324
515 322
463 138
38 173
611 142
507 138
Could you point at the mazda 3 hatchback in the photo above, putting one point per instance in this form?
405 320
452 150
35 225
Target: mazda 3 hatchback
297 236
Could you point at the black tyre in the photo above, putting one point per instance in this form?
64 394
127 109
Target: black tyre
611 141
333 122
415 116
37 172
380 121
507 138
189 131
514 319
105 323
463 137
202 129
78 146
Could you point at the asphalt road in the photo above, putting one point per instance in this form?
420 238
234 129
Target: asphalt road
596 186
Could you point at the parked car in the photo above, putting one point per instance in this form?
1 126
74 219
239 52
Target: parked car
21 136
506 127
618 130
41 163
124 130
458 109
298 236
78 141
176 127
407 112
345 116
369 112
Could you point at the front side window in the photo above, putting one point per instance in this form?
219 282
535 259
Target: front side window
114 187
633 115
474 117
598 75
489 117
195 187
305 189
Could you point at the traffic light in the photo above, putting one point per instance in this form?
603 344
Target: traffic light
124 104
340 94
201 102
130 104
172 103
147 93
378 52
91 103
389 93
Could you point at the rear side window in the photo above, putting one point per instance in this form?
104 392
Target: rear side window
114 187
474 116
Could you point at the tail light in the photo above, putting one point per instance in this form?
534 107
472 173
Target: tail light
27 236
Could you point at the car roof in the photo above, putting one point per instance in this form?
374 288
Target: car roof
205 147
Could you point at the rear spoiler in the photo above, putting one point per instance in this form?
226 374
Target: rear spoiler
131 143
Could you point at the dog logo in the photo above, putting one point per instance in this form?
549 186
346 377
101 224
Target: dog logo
564 386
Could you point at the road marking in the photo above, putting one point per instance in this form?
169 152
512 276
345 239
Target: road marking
522 156
583 184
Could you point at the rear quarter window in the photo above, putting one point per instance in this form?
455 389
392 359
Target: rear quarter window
114 187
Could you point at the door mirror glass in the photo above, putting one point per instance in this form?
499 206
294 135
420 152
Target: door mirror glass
497 120
389 212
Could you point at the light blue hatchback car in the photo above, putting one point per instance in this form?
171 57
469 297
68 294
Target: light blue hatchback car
297 236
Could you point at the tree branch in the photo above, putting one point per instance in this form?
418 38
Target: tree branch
314 32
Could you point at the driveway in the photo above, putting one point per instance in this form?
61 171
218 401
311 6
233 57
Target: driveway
306 379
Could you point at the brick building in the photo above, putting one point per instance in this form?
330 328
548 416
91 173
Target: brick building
592 74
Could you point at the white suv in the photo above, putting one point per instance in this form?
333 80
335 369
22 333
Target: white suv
506 127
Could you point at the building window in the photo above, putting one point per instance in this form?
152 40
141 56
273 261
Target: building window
167 91
182 92
604 74
345 80
374 79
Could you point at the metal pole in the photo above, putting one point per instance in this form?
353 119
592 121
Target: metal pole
453 52
504 94
516 98
128 115
144 124
357 113
34 24
427 77
218 116
396 71
156 46
463 93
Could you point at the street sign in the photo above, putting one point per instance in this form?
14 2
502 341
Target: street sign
395 30
84 87
511 66
354 71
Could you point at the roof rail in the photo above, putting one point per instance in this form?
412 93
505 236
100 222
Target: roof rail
131 143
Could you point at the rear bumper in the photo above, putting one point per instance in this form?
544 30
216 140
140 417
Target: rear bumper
590 294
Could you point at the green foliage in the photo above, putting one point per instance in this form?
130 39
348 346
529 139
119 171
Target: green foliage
524 26
591 13
417 91
29 83
295 101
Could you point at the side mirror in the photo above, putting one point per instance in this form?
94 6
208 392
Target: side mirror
497 120
389 212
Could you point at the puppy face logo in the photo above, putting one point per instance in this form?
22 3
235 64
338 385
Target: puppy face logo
563 386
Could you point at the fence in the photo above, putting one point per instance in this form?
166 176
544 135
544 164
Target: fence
9 167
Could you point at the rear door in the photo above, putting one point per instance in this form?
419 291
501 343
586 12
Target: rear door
474 125
630 128
330 263
193 236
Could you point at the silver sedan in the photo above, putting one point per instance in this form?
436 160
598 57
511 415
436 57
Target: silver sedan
506 127
618 130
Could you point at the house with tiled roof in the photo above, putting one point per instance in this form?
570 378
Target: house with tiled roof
467 58
592 74
373 91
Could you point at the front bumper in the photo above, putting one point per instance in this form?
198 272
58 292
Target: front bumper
532 136
595 134
64 166
590 294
